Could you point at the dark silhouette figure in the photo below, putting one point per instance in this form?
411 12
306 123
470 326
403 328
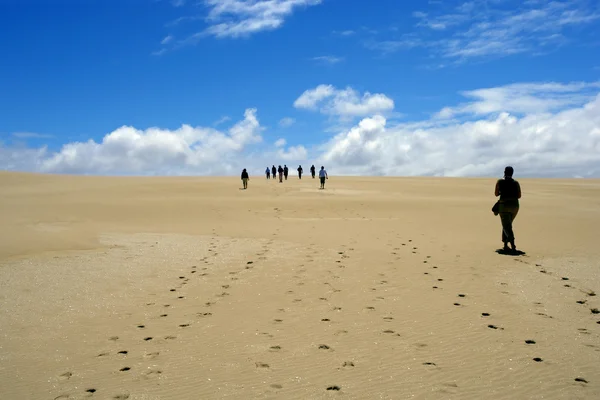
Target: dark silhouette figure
312 171
245 178
268 172
322 177
280 170
509 191
300 171
274 171
285 171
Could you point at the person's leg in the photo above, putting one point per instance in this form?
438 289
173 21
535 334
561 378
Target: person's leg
507 232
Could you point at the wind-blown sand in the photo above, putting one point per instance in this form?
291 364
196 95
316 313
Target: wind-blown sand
391 288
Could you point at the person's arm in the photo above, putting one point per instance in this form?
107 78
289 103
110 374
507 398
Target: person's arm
497 189
518 190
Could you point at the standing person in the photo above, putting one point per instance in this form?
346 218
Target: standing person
280 170
274 171
268 172
322 177
300 171
285 171
509 191
312 171
245 178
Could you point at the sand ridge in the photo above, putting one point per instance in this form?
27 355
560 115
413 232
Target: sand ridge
154 289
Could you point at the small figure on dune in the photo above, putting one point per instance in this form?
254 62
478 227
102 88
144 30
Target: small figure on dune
245 178
268 172
285 171
322 177
312 171
300 171
280 170
274 171
509 191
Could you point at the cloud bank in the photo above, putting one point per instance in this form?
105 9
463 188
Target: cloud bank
542 129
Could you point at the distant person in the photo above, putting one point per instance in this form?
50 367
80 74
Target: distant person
322 177
509 191
268 172
245 178
274 171
280 170
300 171
285 171
312 171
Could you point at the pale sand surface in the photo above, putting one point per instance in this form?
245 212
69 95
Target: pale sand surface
283 291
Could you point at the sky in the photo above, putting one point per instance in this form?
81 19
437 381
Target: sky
362 87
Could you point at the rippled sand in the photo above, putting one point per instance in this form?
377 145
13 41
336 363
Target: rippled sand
391 288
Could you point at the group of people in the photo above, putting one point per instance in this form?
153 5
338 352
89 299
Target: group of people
508 189
283 174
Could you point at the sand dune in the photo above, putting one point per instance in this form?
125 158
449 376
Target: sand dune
375 288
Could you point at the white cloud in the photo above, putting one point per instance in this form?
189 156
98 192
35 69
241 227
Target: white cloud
237 18
524 98
130 150
532 126
222 120
331 60
343 102
482 28
178 3
287 122
166 40
565 143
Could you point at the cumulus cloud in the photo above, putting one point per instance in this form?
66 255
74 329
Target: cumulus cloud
135 151
565 143
330 60
343 102
542 134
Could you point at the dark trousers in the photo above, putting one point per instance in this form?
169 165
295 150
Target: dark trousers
508 213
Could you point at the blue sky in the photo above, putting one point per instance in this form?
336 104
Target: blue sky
381 87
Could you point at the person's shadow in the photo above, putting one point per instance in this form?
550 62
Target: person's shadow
514 253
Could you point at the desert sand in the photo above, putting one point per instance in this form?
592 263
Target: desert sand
375 288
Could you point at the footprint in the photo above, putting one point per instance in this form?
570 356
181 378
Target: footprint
65 376
275 348
102 355
91 390
370 308
565 279
429 363
184 325
141 326
124 369
169 337
151 355
121 397
582 380
325 320
276 386
163 315
278 320
530 341
595 311
324 347
462 295
388 331
113 338
148 338
537 359
124 352
336 388
388 318
261 365
492 327
348 364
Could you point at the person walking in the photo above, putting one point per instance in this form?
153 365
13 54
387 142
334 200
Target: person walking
245 178
322 177
285 171
274 172
509 191
300 171
280 170
268 172
312 171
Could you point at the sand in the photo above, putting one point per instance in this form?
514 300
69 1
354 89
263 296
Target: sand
375 288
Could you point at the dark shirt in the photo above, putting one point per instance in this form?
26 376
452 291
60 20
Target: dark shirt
509 191
244 175
280 170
